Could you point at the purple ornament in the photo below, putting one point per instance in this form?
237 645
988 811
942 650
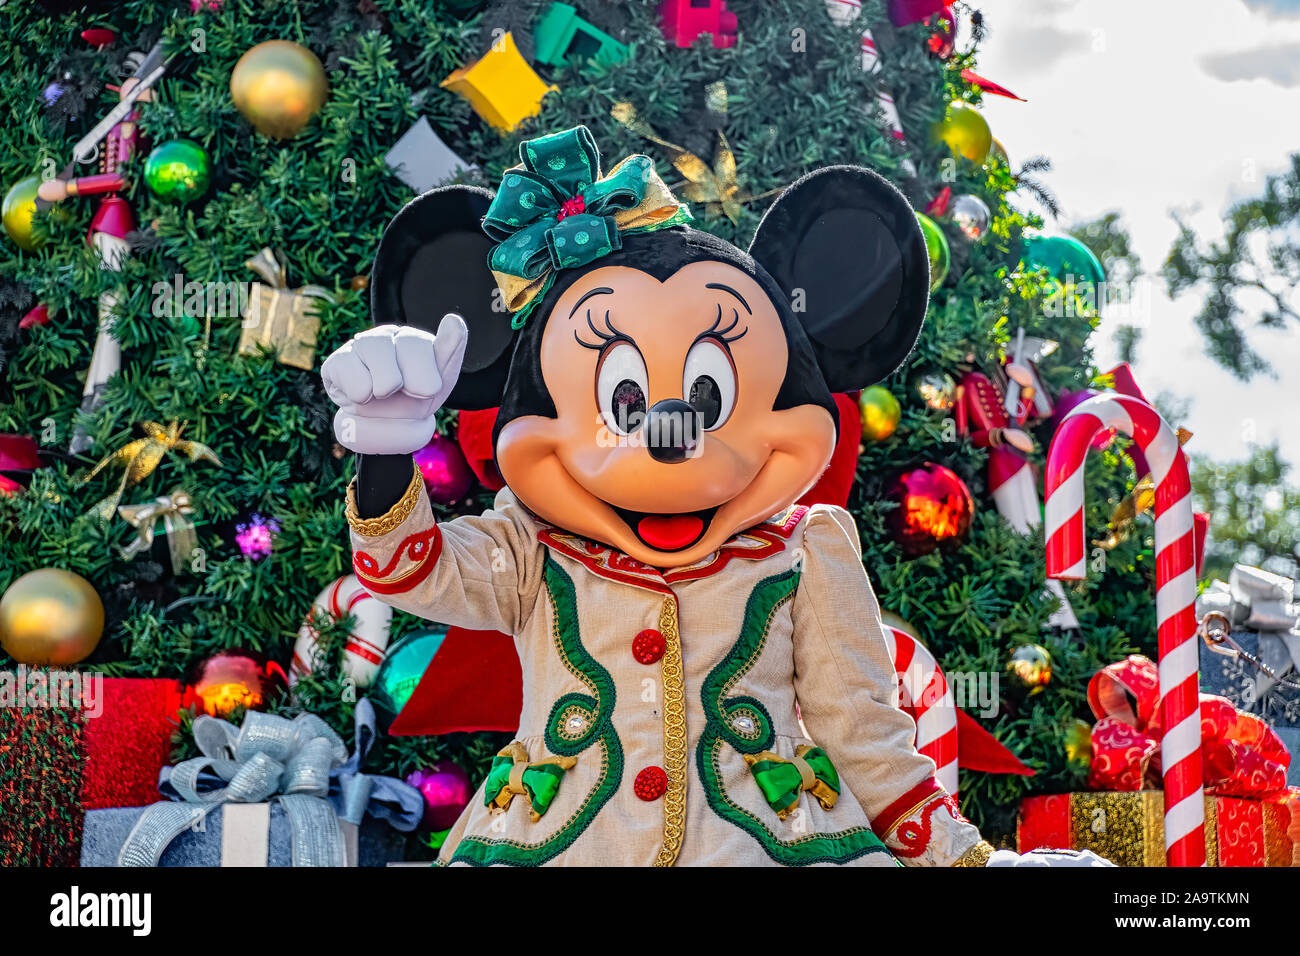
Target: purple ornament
447 475
1066 402
52 94
256 537
446 790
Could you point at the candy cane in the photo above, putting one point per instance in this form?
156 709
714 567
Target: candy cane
1180 747
364 649
926 696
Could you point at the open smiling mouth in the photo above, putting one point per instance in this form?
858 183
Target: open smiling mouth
667 532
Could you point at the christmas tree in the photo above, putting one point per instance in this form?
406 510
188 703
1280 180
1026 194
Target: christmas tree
245 432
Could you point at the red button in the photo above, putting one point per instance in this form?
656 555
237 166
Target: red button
648 646
651 783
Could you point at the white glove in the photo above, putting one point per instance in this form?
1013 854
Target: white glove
1047 858
388 381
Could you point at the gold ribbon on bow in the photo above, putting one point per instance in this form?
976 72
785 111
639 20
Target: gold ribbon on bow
174 510
717 187
142 456
1135 504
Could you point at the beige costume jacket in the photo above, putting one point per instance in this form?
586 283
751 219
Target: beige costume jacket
648 695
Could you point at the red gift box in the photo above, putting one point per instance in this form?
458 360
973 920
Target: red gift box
100 744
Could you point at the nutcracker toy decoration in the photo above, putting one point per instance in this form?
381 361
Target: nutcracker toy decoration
982 415
113 141
662 407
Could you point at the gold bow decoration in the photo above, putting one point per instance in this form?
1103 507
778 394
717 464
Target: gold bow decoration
175 511
142 456
716 186
278 318
512 775
1135 504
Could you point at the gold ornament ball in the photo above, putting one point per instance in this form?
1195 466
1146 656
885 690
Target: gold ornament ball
965 131
50 617
1031 667
278 86
19 207
880 413
1078 744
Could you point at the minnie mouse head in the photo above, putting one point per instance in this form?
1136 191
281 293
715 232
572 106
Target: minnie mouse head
659 389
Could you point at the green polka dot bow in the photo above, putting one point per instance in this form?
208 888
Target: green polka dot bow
556 211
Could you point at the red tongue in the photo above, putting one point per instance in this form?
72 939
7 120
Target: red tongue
669 532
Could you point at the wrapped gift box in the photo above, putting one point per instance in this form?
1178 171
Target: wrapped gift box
104 749
236 835
1128 829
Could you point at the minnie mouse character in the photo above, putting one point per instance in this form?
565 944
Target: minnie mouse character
664 399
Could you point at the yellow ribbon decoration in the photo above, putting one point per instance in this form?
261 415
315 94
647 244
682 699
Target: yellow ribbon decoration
717 187
174 510
1135 504
142 456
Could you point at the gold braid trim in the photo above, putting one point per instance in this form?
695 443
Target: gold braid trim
978 855
674 736
396 515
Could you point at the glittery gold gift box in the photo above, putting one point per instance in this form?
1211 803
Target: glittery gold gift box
280 319
1128 828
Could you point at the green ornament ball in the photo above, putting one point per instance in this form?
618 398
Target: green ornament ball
936 244
178 171
402 668
1066 259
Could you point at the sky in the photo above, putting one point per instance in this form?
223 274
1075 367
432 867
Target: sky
1151 108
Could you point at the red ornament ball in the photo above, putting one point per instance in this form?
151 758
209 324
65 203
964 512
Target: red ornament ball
934 509
446 789
447 475
236 678
651 783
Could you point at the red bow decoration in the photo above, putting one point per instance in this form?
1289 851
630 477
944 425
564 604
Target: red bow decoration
1241 756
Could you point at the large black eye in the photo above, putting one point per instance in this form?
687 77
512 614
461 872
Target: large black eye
709 382
621 386
706 399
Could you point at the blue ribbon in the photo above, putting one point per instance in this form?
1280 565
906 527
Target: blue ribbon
302 763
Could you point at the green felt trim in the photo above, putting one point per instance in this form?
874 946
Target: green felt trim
768 597
485 851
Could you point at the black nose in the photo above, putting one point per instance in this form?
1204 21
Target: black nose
672 430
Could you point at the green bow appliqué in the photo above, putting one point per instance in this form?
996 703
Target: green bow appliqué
783 780
513 775
556 212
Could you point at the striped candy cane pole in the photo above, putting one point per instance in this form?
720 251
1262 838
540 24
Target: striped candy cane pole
367 643
1180 748
926 696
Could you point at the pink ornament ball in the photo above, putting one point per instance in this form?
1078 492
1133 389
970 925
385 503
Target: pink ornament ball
446 790
447 475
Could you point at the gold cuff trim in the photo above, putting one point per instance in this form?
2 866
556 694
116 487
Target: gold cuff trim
396 515
978 855
674 736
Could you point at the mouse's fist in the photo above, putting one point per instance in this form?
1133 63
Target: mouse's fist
388 382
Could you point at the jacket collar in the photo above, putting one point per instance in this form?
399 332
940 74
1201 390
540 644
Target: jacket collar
760 541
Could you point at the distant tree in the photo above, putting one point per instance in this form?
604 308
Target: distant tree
1108 238
1255 513
1252 271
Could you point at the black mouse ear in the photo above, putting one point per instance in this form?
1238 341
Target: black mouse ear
845 245
432 260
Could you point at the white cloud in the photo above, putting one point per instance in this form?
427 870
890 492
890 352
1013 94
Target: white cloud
1133 121
1279 63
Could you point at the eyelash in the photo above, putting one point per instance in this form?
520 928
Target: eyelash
605 339
615 335
713 332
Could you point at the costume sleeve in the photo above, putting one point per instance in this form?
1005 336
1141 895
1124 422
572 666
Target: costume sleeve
481 572
848 692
